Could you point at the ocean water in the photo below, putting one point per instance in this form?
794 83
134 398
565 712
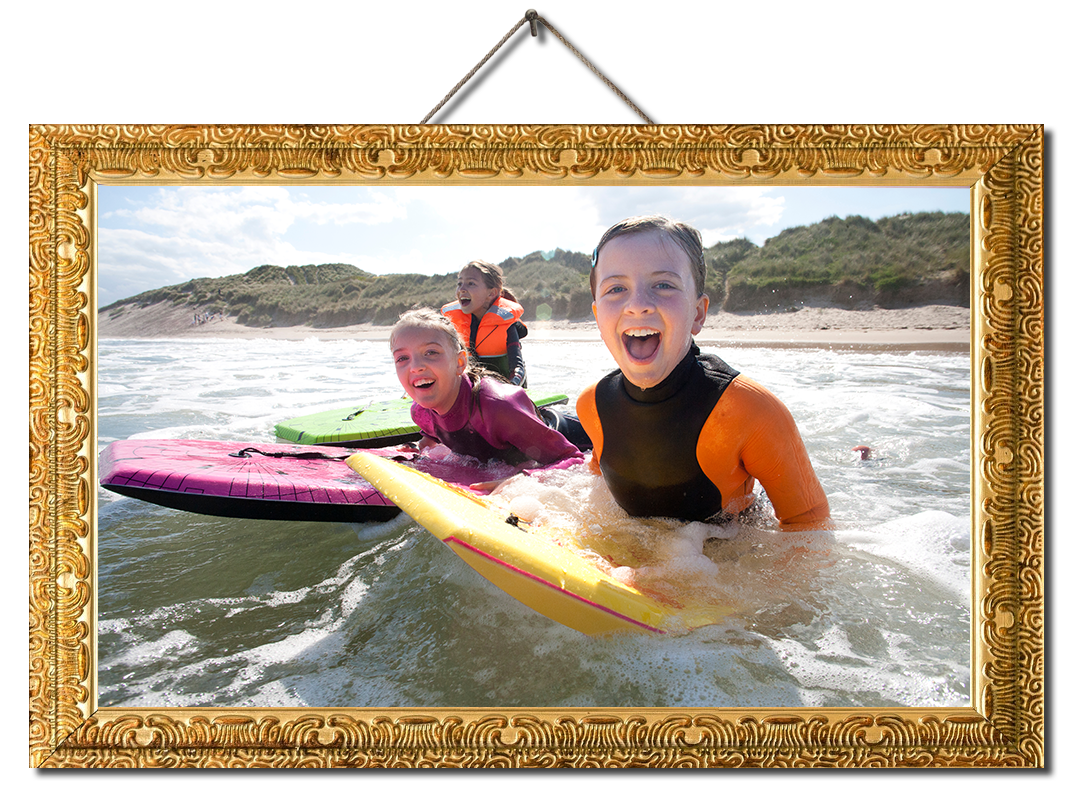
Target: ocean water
196 610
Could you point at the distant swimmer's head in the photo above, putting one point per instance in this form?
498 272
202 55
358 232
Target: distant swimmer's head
647 284
429 357
479 285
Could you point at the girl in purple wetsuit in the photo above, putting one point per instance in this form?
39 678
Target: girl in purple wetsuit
472 414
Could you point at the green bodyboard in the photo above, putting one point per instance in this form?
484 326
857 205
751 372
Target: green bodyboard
381 423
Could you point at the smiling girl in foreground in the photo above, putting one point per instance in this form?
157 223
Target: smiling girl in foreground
454 405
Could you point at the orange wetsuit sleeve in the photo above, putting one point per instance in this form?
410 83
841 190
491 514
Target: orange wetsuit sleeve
749 435
590 421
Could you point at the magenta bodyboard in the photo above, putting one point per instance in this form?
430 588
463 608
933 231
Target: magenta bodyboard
265 481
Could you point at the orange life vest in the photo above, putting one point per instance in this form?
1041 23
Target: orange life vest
491 339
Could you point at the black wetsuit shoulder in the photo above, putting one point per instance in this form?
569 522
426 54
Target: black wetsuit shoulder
649 457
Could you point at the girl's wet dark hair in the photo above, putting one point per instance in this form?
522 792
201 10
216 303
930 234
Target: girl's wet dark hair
684 235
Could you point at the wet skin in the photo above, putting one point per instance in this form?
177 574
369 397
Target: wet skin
428 368
646 306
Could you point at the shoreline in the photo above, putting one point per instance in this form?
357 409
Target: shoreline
921 328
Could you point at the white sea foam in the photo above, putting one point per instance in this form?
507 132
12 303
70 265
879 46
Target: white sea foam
933 545
152 652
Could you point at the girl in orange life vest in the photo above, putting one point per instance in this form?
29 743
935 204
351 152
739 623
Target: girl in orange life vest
488 318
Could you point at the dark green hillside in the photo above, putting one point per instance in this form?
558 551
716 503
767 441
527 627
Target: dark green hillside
266 296
721 258
854 262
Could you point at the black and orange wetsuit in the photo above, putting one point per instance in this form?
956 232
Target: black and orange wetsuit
495 341
695 444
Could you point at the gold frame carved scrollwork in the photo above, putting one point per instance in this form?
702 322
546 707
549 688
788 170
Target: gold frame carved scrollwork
1004 724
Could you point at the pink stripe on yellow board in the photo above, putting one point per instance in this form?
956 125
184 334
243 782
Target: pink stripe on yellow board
549 584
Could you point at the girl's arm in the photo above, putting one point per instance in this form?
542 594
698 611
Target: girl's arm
752 435
512 419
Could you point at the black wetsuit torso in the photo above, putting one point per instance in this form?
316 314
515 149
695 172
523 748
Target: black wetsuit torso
649 457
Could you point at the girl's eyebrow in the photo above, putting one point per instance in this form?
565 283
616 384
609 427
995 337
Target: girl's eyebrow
657 273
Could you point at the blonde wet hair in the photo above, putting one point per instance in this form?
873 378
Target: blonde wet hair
428 319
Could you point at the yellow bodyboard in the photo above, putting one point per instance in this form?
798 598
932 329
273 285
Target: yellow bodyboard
551 579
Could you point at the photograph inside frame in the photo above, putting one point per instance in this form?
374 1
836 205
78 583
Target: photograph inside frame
333 614
293 612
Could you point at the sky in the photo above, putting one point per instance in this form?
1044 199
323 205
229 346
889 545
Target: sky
153 236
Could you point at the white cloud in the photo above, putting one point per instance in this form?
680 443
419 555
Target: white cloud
252 211
186 232
379 208
496 222
719 213
211 214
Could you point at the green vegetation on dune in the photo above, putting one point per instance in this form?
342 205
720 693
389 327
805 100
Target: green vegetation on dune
895 262
556 283
854 262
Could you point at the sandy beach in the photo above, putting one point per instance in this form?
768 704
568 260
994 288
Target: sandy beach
925 327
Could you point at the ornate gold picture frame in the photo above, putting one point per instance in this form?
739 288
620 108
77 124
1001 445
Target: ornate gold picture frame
1003 726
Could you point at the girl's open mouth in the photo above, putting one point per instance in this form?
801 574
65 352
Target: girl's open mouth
424 383
641 343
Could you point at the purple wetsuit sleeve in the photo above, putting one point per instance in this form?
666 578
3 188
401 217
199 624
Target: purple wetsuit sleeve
508 417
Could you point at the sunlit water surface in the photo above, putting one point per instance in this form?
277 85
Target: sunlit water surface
197 610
